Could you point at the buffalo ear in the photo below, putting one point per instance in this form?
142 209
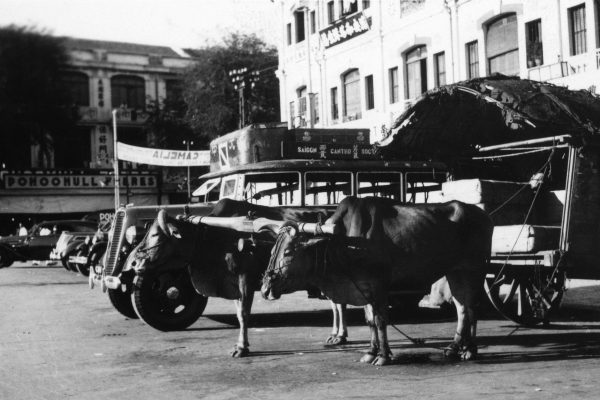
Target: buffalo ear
173 231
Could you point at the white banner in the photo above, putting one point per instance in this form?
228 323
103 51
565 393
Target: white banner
164 157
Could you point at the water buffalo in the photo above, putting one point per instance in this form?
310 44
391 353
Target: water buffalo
382 242
218 268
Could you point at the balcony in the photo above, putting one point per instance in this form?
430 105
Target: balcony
131 115
352 117
88 114
549 72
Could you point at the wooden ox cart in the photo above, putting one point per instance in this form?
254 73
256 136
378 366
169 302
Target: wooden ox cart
559 236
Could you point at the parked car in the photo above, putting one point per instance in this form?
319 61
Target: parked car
68 244
39 241
88 255
128 228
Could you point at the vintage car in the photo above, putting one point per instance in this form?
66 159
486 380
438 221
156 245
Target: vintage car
128 228
69 243
86 254
39 241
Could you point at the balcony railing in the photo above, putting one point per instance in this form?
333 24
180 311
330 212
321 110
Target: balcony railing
352 117
131 115
87 113
549 72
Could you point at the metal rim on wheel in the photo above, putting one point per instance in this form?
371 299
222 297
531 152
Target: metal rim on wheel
167 301
525 295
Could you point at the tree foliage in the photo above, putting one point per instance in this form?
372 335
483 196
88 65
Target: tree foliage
34 104
209 92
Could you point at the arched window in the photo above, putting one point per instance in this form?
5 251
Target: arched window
128 91
502 46
351 94
416 72
78 87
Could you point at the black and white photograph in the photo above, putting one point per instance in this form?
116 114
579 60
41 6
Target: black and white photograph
299 199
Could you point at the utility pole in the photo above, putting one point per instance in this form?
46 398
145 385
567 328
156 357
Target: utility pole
188 143
115 159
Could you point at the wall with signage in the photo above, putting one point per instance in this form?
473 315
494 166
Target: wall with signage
26 180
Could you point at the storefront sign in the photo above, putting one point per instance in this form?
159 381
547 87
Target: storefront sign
344 30
167 158
86 180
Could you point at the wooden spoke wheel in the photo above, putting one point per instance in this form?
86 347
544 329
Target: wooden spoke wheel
167 301
526 295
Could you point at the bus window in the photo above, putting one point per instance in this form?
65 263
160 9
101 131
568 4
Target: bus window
208 191
424 187
327 187
229 186
379 184
273 189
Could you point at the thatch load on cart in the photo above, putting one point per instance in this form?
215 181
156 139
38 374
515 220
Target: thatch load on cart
528 153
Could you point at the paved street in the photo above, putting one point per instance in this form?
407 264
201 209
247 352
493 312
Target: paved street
62 340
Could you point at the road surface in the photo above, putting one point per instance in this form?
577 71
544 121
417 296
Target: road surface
60 340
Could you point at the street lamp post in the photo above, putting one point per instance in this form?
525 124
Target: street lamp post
188 143
238 79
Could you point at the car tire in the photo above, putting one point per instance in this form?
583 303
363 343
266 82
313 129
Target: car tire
121 301
168 301
83 269
64 262
94 258
6 259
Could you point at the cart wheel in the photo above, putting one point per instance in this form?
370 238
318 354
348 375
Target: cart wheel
526 295
121 301
83 269
167 302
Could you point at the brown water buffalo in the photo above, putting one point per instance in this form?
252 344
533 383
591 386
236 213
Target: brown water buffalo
216 265
383 242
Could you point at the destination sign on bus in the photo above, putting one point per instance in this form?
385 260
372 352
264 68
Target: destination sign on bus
334 151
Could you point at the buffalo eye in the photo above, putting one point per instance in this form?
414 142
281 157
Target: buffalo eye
287 252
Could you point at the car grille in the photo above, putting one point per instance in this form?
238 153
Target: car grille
114 245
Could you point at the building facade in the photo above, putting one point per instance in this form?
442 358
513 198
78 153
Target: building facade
360 63
77 177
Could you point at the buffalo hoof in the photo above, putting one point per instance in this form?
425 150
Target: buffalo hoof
452 352
239 352
470 353
335 340
381 360
368 358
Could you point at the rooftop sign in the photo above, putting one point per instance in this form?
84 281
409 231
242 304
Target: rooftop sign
345 29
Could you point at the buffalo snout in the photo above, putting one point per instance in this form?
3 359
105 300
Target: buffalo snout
268 293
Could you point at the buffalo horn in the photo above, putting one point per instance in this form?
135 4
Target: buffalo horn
239 224
316 229
162 221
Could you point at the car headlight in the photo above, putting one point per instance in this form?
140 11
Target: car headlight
131 234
